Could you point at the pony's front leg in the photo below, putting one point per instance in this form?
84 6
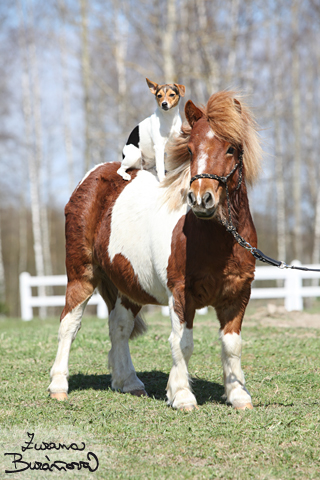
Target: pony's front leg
236 393
124 377
179 391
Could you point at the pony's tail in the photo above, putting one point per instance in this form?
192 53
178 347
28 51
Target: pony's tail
140 327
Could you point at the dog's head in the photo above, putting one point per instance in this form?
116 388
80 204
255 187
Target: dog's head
168 95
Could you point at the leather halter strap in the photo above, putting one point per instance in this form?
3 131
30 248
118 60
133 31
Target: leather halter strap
223 179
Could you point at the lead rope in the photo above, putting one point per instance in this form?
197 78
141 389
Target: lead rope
258 255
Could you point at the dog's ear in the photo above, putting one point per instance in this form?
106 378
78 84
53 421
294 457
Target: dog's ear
193 113
181 88
152 85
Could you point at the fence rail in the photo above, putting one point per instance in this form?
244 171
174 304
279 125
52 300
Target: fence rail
292 292
29 301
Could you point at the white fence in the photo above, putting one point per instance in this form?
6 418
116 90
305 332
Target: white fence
292 292
28 301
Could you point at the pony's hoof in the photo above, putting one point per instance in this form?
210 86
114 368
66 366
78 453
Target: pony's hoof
188 408
61 396
139 393
248 406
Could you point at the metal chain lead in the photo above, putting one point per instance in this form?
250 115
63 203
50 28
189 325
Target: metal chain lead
228 224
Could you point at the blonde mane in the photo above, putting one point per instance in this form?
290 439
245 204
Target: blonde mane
231 121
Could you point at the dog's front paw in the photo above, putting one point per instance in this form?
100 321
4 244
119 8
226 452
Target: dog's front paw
123 174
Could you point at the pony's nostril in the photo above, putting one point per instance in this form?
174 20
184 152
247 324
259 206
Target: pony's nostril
191 199
208 200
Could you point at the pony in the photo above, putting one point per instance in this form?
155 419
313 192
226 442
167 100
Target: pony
142 242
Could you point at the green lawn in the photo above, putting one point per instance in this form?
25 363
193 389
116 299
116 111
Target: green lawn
141 438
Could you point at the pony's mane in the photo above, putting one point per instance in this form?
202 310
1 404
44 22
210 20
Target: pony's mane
231 121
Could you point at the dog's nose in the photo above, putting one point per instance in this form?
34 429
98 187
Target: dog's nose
164 104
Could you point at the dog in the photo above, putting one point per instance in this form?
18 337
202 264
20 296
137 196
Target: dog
145 147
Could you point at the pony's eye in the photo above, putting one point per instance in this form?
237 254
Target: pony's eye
189 150
230 151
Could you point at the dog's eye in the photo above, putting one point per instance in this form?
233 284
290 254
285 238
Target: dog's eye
159 95
230 151
172 95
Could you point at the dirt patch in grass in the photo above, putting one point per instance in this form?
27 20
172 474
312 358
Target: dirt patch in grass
276 316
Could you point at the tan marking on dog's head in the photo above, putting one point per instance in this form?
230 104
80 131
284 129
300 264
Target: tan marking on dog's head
168 95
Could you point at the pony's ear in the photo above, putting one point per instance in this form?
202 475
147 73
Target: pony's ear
237 104
181 88
152 85
193 113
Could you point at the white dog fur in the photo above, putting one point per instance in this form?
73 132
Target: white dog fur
145 147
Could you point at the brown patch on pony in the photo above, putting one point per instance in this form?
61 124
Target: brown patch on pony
221 277
88 218
140 326
120 271
127 281
230 121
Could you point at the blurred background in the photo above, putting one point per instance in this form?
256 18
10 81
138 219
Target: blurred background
72 87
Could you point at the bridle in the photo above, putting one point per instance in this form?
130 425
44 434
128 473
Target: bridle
228 224
224 179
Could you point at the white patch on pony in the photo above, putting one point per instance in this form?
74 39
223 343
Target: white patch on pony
210 134
202 161
234 382
181 341
69 327
141 231
87 174
121 323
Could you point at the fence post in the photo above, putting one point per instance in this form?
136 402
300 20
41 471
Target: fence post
25 295
293 286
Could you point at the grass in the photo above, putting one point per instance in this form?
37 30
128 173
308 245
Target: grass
141 438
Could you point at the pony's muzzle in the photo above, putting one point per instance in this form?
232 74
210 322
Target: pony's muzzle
202 205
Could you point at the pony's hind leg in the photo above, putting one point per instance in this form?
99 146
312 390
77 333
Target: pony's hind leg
69 327
179 392
121 328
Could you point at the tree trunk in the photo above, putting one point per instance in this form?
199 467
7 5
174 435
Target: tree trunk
120 57
66 100
168 42
85 63
278 99
296 112
2 273
32 157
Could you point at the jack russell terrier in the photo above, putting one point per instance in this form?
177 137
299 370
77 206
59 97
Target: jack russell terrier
146 143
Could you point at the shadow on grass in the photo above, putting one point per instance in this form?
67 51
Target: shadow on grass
155 383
